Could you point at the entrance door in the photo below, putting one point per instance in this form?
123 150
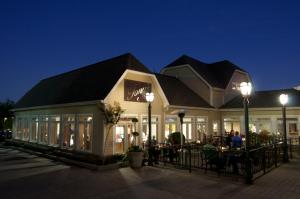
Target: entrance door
123 137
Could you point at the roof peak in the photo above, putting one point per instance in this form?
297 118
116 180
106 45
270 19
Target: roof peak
127 58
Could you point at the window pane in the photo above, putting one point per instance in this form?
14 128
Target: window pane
34 129
25 129
69 131
44 130
85 129
19 134
201 119
54 130
187 119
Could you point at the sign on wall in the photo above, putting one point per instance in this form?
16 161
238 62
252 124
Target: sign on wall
135 91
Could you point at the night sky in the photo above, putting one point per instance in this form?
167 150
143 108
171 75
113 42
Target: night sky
43 38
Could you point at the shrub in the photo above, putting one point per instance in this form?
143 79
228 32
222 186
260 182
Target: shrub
175 138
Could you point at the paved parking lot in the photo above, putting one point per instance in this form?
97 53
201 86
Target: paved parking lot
28 176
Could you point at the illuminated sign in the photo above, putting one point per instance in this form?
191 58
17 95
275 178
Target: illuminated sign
135 91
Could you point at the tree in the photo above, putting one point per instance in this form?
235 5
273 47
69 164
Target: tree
6 115
112 114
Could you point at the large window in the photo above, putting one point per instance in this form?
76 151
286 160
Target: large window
216 128
145 128
19 134
291 127
54 130
44 130
260 124
232 123
170 125
85 128
34 129
187 128
69 131
201 125
25 129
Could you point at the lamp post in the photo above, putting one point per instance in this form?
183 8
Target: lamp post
246 88
181 115
283 98
149 99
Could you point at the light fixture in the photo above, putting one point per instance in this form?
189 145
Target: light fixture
149 97
283 98
246 88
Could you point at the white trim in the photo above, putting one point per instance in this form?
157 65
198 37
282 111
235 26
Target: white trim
58 105
258 109
192 108
218 89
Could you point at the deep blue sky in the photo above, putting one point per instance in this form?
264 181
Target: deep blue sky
39 38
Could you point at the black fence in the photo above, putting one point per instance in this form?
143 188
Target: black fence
225 161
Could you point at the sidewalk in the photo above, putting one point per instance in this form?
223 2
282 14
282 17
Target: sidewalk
26 176
282 182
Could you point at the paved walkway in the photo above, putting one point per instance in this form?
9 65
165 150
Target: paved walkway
27 176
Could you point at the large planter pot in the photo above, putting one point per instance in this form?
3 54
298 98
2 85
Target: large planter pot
135 159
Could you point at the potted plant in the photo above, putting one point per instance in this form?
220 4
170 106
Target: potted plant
135 153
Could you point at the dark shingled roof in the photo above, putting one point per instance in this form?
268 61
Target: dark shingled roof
266 99
89 83
217 74
179 94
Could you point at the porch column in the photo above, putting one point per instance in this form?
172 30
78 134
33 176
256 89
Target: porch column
242 126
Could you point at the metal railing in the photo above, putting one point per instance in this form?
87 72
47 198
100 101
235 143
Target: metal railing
229 162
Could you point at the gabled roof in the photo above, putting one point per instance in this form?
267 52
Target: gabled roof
179 94
217 74
266 99
89 83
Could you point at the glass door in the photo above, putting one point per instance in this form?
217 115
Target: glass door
122 138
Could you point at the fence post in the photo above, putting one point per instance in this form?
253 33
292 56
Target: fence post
299 145
291 153
190 159
275 154
264 159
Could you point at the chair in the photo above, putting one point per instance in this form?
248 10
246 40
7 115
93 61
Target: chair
211 157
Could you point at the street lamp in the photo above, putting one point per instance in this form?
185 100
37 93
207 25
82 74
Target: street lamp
246 88
181 115
149 99
283 98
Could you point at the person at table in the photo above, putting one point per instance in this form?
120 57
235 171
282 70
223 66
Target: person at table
236 141
209 145
211 154
228 138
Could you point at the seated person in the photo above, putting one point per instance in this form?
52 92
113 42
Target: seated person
211 155
209 146
228 138
234 158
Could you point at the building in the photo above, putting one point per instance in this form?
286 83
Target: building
63 110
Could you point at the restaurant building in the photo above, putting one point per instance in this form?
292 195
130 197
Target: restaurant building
63 110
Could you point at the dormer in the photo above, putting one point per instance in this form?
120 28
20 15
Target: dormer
213 82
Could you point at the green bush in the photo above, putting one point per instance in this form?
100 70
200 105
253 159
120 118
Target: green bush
175 138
